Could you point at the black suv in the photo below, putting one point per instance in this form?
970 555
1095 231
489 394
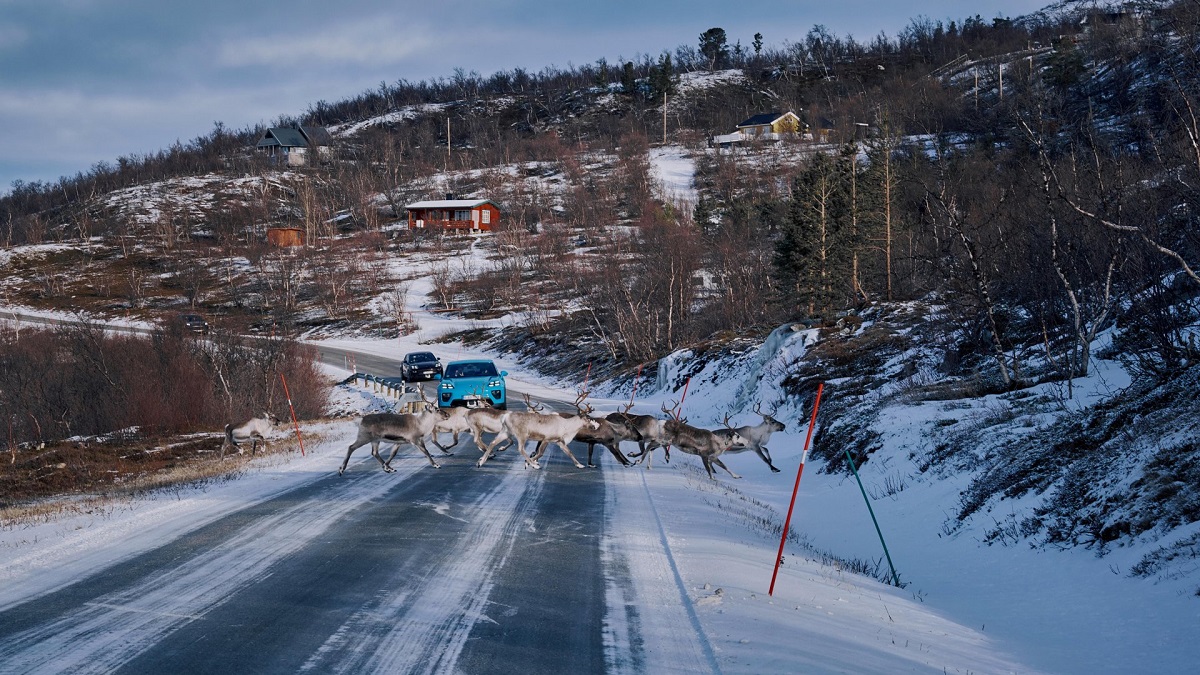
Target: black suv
420 366
194 323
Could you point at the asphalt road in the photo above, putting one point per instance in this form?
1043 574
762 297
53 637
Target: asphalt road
460 569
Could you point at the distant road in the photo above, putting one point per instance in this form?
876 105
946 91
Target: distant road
18 317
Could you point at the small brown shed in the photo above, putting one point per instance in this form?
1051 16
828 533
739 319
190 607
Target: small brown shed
285 236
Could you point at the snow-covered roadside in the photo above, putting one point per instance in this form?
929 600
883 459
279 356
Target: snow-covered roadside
39 557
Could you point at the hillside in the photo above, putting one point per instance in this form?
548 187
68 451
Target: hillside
991 230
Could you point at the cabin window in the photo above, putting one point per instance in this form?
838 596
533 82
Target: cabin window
487 216
462 215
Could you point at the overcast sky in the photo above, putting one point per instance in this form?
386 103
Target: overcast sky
84 81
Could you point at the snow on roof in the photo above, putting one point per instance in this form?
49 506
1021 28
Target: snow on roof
448 204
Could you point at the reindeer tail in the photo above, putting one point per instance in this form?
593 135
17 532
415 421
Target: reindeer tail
229 442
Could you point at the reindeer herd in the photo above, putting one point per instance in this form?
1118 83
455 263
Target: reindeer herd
519 427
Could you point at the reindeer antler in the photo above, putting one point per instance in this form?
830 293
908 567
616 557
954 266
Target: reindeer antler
429 405
726 422
673 411
758 410
583 408
536 407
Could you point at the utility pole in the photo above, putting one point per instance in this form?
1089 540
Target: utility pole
664 118
447 142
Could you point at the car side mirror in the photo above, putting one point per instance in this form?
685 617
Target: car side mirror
437 376
504 373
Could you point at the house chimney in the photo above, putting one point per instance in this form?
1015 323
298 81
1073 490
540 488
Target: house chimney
449 196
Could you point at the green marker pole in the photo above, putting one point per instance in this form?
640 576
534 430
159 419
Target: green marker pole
895 577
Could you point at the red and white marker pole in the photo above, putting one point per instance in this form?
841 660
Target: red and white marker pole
787 523
293 409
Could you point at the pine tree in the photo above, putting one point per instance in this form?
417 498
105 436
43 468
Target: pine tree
714 47
812 256
628 79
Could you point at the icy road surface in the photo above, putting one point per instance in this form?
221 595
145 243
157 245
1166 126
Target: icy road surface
461 569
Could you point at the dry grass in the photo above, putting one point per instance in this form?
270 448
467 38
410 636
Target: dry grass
72 478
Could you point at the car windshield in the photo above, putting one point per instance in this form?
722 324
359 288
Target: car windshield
472 369
420 357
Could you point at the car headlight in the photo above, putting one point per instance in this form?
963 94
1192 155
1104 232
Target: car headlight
446 385
495 383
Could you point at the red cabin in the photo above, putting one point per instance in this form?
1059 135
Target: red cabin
479 215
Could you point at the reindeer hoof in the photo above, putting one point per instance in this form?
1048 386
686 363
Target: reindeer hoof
580 466
436 465
591 466
774 470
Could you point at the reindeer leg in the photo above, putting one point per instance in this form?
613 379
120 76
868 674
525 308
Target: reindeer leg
708 466
591 447
387 466
421 445
529 461
358 443
486 454
444 449
718 462
616 452
568 451
766 457
502 436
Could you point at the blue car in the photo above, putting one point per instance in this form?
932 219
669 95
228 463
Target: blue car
473 384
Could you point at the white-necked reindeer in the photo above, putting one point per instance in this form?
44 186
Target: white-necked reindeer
757 435
254 429
536 426
609 433
397 429
450 421
488 421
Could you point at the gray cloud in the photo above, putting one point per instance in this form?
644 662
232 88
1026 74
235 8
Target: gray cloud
84 81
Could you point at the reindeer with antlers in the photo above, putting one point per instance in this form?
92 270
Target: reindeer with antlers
650 433
756 436
705 444
537 426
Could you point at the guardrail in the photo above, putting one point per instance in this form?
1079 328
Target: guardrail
408 395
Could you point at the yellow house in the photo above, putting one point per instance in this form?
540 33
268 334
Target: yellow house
771 123
764 127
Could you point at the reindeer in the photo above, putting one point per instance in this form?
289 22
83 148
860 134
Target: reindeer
705 444
756 436
398 429
255 429
451 420
653 435
488 420
526 426
610 433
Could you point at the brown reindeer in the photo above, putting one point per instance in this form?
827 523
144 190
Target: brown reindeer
705 444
